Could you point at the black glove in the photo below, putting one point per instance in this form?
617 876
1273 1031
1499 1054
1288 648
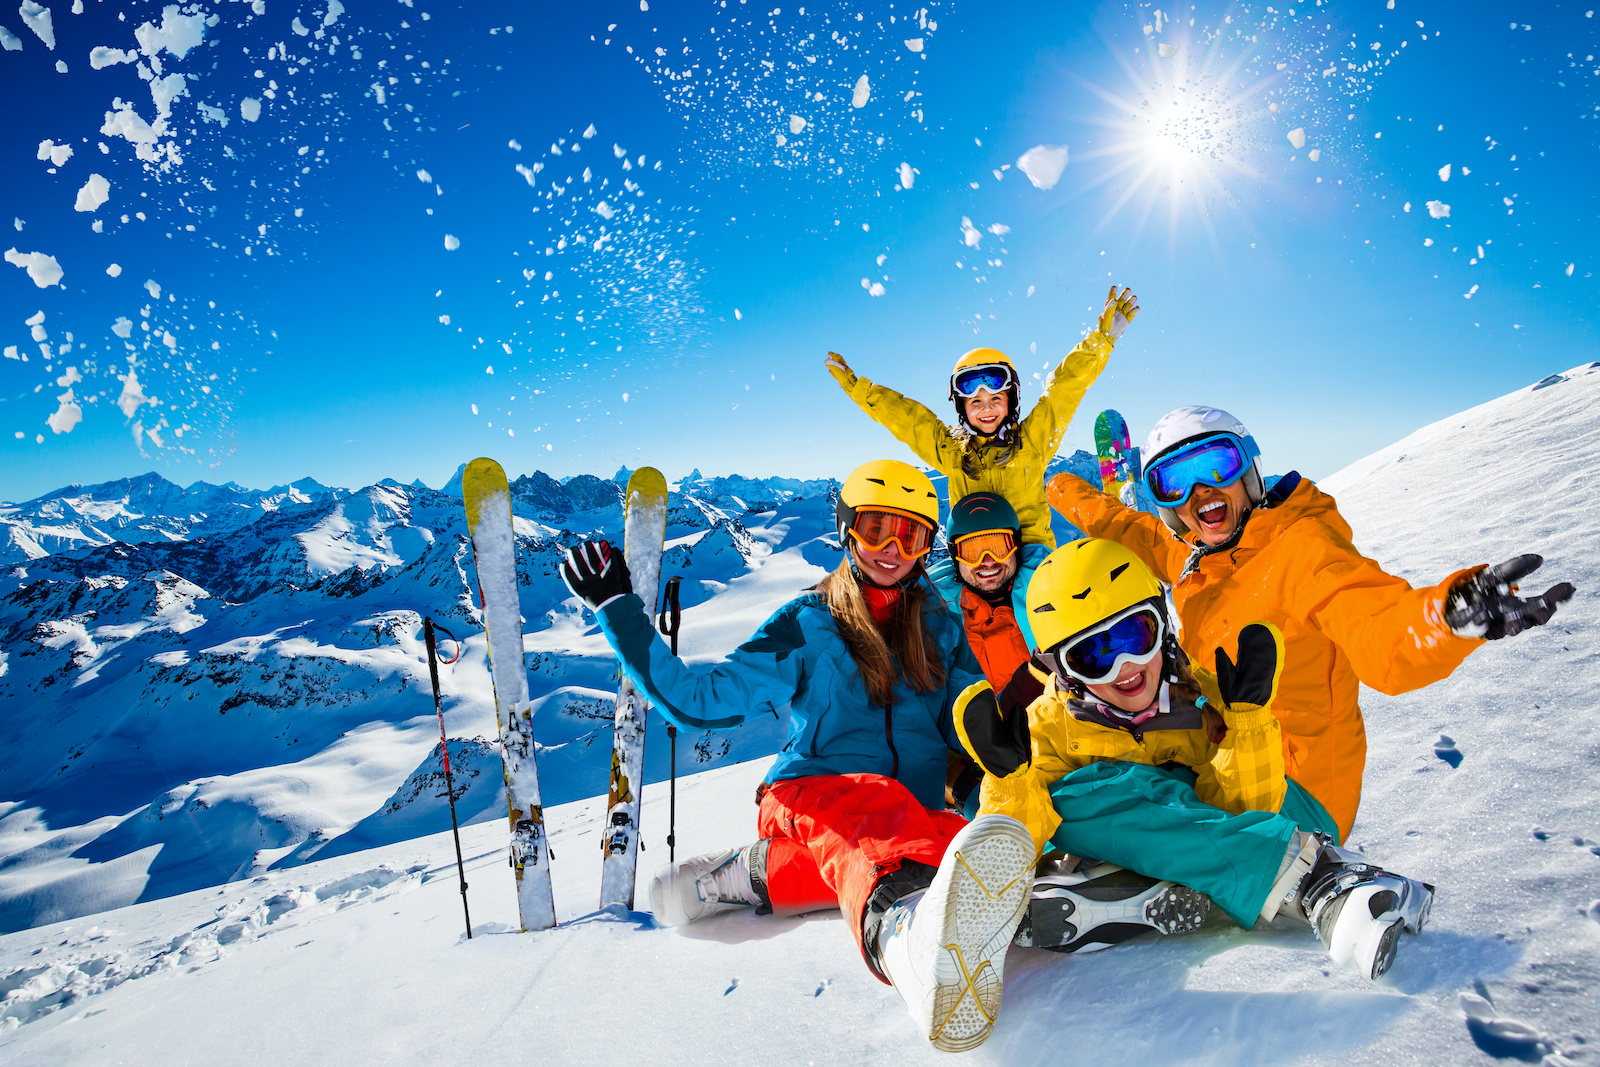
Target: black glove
1022 690
596 572
1483 605
1254 680
1000 743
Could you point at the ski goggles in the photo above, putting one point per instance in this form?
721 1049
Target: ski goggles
1095 657
995 377
1218 460
874 529
998 545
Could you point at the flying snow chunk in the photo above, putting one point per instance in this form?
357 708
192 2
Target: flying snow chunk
1438 209
424 176
915 44
506 347
250 108
862 94
43 269
132 394
1444 173
95 192
999 229
796 123
969 233
178 33
604 210
68 415
590 132
57 154
1315 154
739 316
335 9
1043 164
451 242
123 327
1167 51
38 20
1570 267
102 57
873 288
154 288
298 27
1297 137
907 175
114 270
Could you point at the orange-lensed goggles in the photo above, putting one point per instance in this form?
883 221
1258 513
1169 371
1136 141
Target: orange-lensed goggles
998 545
873 530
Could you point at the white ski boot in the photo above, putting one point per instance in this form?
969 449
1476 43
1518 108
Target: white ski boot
945 948
1359 911
694 889
1101 905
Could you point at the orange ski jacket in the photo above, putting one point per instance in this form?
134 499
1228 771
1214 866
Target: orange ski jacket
1344 619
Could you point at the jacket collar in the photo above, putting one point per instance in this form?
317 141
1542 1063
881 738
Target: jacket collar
1292 499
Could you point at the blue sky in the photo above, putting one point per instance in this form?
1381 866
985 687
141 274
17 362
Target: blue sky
1313 310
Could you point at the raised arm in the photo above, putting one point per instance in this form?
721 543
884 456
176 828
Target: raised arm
1097 515
1247 771
758 677
1070 379
918 428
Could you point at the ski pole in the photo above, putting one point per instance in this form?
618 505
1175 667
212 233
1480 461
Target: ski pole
670 618
444 752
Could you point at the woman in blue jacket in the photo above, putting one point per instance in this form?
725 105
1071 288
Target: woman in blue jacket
872 668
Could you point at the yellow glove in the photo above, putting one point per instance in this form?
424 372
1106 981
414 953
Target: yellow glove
841 371
1119 311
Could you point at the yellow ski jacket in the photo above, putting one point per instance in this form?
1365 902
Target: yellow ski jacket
1243 771
1021 479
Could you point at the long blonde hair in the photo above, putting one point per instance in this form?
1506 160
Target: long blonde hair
903 647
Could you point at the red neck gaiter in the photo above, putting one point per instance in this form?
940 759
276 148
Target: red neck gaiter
881 601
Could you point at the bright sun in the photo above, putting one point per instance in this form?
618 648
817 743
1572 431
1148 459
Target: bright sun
1179 138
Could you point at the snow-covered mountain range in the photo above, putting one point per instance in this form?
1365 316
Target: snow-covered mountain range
201 684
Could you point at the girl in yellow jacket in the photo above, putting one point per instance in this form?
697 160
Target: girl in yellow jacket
1130 756
995 449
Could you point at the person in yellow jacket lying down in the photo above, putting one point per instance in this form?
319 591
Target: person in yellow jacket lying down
995 448
1130 755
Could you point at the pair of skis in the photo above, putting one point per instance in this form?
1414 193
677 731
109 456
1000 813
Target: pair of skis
487 497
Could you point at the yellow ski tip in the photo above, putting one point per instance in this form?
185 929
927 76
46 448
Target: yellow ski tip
482 480
648 482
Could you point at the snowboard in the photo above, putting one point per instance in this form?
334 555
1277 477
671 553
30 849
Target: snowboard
494 553
644 535
1119 466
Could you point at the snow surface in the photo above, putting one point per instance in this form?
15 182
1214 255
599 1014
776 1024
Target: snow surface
1485 784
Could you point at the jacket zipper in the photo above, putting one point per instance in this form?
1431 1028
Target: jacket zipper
888 731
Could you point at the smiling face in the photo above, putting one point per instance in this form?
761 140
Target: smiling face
989 575
1213 513
1135 688
986 411
884 567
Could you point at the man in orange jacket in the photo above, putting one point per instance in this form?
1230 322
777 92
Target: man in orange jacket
1235 553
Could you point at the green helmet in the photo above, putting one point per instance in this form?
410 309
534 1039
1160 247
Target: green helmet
977 512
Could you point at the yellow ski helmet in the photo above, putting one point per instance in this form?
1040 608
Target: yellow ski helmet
1083 583
987 357
886 483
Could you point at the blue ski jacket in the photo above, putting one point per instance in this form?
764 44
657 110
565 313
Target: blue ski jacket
798 659
947 580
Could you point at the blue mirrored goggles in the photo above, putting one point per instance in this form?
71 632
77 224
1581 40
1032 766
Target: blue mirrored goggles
1134 636
995 377
1218 460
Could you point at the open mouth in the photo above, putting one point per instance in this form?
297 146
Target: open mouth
1130 687
988 571
1213 516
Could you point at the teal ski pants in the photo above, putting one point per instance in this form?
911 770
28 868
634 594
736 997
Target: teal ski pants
1150 820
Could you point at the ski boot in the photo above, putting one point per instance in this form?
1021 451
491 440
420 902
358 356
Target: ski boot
1359 911
1101 904
694 889
944 948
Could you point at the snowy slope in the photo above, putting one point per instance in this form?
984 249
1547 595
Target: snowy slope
362 957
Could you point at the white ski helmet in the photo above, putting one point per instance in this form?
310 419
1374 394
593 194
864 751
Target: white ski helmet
1182 425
